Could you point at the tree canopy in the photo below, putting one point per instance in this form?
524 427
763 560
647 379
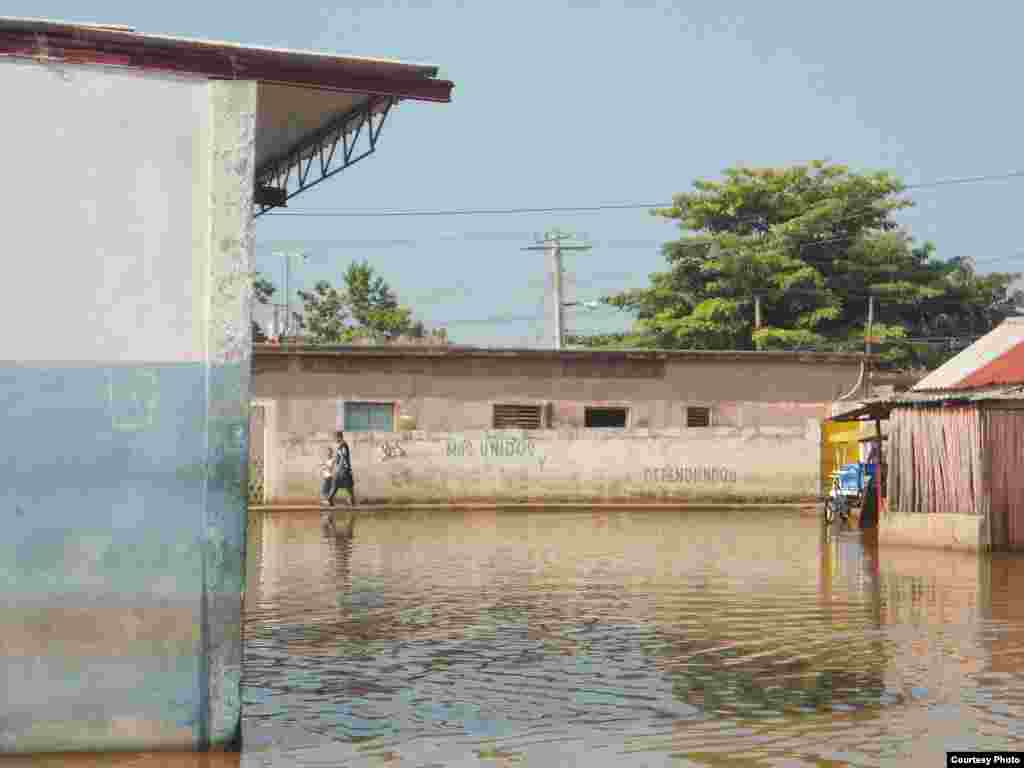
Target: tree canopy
365 308
811 243
262 291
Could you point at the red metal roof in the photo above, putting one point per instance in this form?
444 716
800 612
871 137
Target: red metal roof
994 360
75 43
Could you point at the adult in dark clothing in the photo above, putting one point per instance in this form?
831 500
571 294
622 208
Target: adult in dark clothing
342 471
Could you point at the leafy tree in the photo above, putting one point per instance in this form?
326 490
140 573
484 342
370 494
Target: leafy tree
366 308
374 305
262 291
813 242
326 314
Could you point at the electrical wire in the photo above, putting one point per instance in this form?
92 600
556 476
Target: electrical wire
596 208
634 206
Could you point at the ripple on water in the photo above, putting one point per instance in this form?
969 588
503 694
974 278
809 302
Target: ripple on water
628 638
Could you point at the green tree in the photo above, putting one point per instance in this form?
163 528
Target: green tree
366 308
813 242
325 314
374 306
262 291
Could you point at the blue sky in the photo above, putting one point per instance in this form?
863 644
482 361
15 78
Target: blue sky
586 103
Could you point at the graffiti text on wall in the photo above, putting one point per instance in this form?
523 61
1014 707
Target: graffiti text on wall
493 448
459 448
689 475
134 398
391 449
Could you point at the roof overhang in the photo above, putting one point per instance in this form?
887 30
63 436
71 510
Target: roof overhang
318 113
873 411
883 407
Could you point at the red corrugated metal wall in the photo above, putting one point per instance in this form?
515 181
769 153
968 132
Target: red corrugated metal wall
935 461
1005 433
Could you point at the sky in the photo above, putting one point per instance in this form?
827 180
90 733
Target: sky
585 103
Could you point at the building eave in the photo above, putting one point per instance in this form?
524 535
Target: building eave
72 43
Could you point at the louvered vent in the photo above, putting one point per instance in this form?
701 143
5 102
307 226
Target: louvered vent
698 417
517 417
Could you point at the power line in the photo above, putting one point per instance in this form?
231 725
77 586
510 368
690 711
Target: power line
596 208
471 212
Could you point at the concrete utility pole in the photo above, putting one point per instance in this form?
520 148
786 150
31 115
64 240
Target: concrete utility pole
867 340
552 243
287 256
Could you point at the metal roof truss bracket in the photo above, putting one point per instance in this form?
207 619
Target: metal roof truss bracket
317 157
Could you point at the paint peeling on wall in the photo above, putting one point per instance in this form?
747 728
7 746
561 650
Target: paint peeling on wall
230 263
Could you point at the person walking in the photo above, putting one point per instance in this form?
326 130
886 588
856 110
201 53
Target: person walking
342 471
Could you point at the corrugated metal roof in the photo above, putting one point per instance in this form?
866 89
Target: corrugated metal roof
881 407
977 395
995 359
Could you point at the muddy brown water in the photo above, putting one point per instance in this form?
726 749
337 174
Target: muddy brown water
624 638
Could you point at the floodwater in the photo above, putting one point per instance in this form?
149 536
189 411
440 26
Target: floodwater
639 638
653 638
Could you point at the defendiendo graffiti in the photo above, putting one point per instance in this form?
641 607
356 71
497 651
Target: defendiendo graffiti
689 475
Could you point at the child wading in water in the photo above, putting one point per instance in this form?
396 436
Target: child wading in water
327 477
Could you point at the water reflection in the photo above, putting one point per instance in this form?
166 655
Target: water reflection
124 760
626 638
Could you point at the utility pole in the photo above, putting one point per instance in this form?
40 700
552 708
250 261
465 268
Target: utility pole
287 256
552 243
757 311
867 339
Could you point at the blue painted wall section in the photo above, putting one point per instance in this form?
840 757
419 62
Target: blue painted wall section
102 485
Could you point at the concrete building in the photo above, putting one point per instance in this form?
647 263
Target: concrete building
457 424
141 163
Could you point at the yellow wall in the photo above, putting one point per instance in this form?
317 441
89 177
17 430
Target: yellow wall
839 446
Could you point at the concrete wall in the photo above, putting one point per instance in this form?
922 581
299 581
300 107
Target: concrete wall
718 464
124 372
452 392
934 531
764 442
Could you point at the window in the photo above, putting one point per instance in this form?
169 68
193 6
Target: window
517 417
369 417
698 416
604 418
